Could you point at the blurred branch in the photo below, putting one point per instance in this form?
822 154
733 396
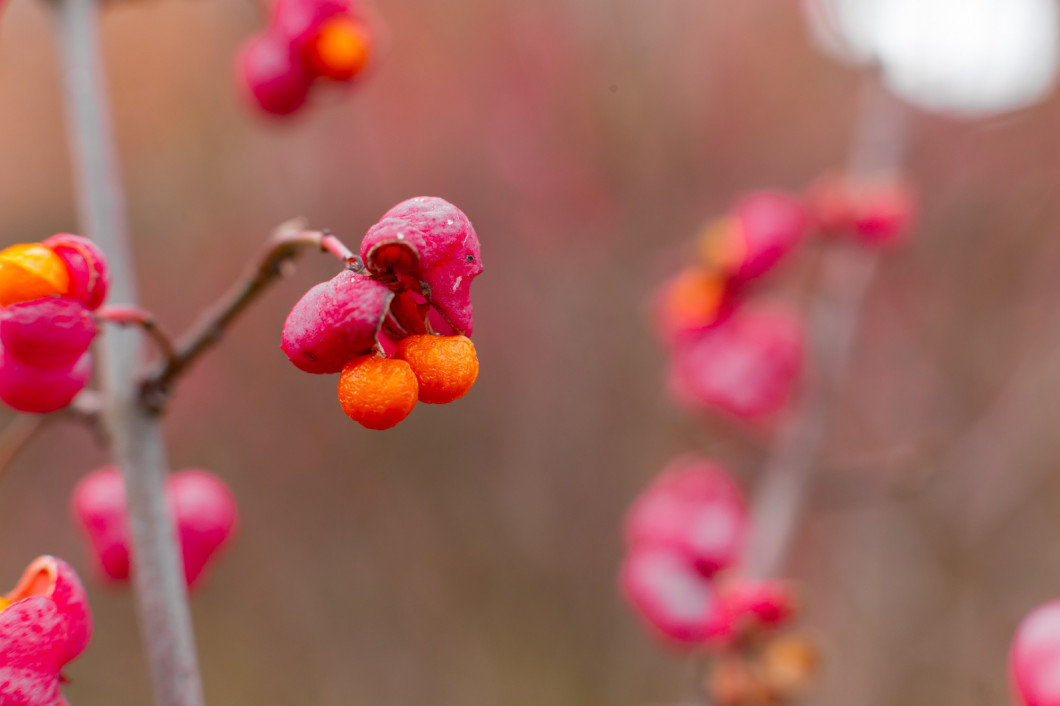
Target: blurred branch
848 269
134 432
288 242
16 436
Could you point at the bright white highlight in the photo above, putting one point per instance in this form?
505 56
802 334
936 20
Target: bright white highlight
970 57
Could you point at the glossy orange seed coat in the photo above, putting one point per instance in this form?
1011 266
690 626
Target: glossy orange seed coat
377 392
445 366
31 271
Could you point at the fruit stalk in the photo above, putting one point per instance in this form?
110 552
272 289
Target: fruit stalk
286 244
133 430
877 148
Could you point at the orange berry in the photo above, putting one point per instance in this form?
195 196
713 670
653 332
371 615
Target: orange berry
340 50
445 366
31 271
722 245
377 392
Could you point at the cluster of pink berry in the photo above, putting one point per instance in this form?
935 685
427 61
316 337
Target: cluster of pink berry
47 293
306 41
45 622
744 359
204 512
684 538
419 261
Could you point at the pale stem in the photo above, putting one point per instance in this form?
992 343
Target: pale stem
134 431
877 148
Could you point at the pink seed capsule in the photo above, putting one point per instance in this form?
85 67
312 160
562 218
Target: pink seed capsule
298 21
695 508
87 265
206 515
46 333
672 597
1034 660
204 512
99 509
763 227
746 366
444 254
40 390
45 625
273 74
748 603
335 322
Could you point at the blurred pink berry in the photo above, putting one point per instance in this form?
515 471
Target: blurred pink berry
334 322
40 390
762 228
207 517
671 595
45 622
1034 661
695 508
274 74
769 603
99 509
297 21
87 266
204 511
52 332
746 366
879 212
430 240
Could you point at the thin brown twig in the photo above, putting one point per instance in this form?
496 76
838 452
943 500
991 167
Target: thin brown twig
135 316
288 241
16 436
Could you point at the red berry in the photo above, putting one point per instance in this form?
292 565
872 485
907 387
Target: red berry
45 625
763 227
87 266
675 599
747 365
204 512
334 322
694 507
46 333
1034 660
29 388
274 74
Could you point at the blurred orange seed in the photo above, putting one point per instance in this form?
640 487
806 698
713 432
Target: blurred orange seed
31 271
445 366
377 392
340 50
722 246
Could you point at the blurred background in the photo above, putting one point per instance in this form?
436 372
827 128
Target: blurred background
468 556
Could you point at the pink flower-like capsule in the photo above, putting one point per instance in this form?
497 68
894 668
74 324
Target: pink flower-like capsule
675 599
1034 660
86 265
204 512
429 240
335 321
879 212
30 388
695 508
53 332
306 40
693 299
274 74
746 366
45 622
760 230
749 604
